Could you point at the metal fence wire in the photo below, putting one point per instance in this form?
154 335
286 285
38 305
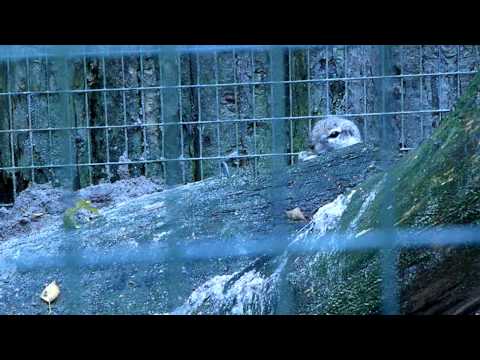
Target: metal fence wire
82 115
192 111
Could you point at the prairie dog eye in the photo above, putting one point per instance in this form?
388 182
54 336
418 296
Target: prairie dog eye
333 134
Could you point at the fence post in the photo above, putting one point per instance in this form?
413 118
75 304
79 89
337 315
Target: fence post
389 255
171 77
279 189
69 180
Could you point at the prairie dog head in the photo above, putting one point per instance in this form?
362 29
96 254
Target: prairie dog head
333 133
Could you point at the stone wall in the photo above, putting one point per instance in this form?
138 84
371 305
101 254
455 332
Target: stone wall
133 108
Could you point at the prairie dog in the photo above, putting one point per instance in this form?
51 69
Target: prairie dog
333 132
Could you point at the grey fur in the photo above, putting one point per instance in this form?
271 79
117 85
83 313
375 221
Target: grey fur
333 132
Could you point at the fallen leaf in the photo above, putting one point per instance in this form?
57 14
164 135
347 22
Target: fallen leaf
37 215
50 293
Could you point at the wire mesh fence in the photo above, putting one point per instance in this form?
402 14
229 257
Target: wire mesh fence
198 111
79 116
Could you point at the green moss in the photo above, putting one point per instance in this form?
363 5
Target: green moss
362 192
437 184
69 221
432 184
358 290
299 101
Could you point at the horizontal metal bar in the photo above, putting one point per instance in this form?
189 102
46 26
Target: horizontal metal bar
263 119
73 51
132 162
269 244
247 83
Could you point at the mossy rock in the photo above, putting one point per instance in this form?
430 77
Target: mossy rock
70 217
438 184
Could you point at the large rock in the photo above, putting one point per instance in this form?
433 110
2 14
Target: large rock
145 255
432 188
435 186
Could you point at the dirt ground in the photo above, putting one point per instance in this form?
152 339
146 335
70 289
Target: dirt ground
42 204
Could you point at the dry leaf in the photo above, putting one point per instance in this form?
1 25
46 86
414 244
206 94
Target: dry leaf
296 214
37 215
50 293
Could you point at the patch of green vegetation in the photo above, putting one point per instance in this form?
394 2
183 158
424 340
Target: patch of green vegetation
70 214
359 293
355 290
438 184
299 101
362 192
